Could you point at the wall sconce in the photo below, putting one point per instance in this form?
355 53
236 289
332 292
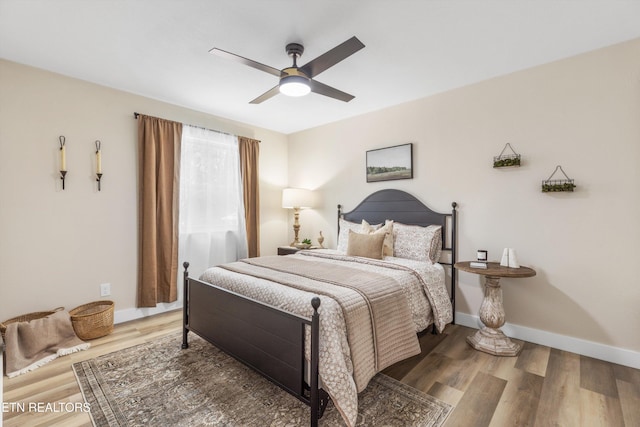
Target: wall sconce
63 159
296 199
98 162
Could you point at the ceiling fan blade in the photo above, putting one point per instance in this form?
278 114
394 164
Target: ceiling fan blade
323 89
268 94
332 57
245 61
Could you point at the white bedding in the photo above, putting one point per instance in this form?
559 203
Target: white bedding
422 283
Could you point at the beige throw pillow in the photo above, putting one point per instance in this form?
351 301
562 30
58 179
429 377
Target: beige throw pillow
387 228
365 245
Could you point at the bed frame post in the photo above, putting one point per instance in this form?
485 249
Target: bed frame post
315 355
185 306
454 271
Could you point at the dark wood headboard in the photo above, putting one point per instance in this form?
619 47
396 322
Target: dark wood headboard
403 207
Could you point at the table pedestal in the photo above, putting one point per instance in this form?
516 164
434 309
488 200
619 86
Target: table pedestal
490 338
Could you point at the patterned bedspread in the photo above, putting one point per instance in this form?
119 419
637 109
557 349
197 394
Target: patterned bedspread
347 362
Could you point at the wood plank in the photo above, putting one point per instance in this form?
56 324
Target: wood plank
479 402
599 410
533 358
445 393
456 347
464 368
560 397
425 373
428 342
625 373
501 367
519 402
629 395
598 376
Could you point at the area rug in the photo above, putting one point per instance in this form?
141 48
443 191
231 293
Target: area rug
158 383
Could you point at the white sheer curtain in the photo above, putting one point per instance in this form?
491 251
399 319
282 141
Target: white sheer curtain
212 222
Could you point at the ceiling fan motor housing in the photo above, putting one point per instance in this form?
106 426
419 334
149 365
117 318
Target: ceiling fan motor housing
295 50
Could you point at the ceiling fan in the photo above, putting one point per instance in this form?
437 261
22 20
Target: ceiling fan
299 81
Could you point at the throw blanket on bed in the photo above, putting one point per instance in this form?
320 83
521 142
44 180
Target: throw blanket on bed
32 344
379 327
437 295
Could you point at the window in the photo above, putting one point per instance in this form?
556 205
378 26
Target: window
212 224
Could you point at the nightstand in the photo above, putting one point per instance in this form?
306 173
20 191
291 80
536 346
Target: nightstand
287 250
491 339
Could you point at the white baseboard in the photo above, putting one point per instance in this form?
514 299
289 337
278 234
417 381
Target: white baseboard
120 316
596 350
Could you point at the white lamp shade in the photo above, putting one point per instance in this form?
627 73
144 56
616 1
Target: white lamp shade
297 198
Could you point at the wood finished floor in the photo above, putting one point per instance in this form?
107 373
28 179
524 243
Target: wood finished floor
541 387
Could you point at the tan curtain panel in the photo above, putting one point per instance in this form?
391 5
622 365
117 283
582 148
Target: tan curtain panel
159 169
249 158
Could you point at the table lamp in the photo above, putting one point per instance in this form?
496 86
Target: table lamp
296 199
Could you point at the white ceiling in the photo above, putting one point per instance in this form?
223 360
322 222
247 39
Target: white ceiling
414 48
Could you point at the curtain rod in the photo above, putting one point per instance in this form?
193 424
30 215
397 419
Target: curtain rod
135 116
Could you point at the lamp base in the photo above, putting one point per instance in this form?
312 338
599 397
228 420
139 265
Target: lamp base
296 226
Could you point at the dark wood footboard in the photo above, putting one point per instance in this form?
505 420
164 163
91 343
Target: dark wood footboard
269 340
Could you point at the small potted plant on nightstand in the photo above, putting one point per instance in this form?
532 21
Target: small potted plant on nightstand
305 244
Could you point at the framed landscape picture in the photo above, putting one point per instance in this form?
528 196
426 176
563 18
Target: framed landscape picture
386 164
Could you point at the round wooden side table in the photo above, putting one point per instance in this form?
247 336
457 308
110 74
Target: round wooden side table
490 338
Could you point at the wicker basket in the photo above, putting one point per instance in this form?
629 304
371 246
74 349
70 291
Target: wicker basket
27 317
93 320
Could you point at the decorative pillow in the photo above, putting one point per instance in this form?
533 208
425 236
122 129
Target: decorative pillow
416 242
387 228
365 245
343 236
368 228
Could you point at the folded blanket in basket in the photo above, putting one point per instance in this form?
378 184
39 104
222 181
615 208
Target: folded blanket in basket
32 344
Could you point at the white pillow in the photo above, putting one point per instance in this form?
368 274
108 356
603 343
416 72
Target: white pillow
416 242
343 235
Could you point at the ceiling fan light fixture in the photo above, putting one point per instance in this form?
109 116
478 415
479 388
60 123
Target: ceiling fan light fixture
294 85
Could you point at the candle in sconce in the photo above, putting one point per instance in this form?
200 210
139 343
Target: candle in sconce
63 154
98 161
98 156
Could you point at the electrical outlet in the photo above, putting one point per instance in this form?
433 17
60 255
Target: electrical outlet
105 289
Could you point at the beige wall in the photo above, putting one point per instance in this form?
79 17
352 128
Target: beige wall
56 247
582 113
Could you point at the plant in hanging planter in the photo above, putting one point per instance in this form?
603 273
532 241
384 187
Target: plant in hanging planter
557 185
562 186
505 160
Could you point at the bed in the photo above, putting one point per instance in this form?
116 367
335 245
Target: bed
267 311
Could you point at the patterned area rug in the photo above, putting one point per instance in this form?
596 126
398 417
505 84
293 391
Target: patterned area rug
158 383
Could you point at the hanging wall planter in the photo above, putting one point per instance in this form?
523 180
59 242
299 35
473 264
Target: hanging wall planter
506 160
557 185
